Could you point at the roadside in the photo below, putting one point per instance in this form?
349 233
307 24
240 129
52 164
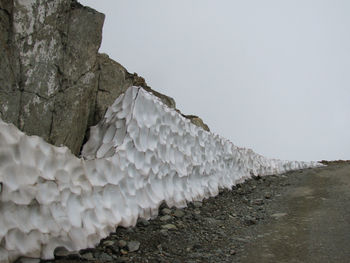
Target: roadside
302 216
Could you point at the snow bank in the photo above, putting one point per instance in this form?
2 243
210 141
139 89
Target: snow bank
141 153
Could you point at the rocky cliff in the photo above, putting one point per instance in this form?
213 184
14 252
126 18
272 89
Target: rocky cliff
53 81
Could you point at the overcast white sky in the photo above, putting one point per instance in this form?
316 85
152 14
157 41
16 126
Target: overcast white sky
270 75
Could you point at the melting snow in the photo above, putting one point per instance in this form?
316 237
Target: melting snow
141 154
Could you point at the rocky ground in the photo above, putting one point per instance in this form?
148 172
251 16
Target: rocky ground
286 218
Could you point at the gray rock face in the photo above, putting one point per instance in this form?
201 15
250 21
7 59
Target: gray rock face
48 75
133 246
53 82
113 80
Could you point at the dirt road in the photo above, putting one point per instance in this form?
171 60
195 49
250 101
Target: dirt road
316 227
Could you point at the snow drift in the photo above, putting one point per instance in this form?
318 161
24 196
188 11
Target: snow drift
141 154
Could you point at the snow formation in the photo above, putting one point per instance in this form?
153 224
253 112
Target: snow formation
141 154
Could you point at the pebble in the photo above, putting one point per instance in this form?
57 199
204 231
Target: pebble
179 213
258 202
240 191
197 217
180 224
130 230
197 211
169 227
122 243
108 243
249 220
88 256
279 215
143 222
232 252
196 246
105 257
164 232
221 217
133 246
257 177
165 211
212 221
197 204
62 252
123 252
123 259
165 218
267 195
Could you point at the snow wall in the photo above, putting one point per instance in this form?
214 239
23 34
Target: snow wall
141 154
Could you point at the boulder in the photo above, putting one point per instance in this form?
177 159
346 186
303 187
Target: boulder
113 80
48 77
53 81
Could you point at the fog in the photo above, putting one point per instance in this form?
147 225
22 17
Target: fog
269 75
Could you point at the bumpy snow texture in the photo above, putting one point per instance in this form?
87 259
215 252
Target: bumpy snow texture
140 154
